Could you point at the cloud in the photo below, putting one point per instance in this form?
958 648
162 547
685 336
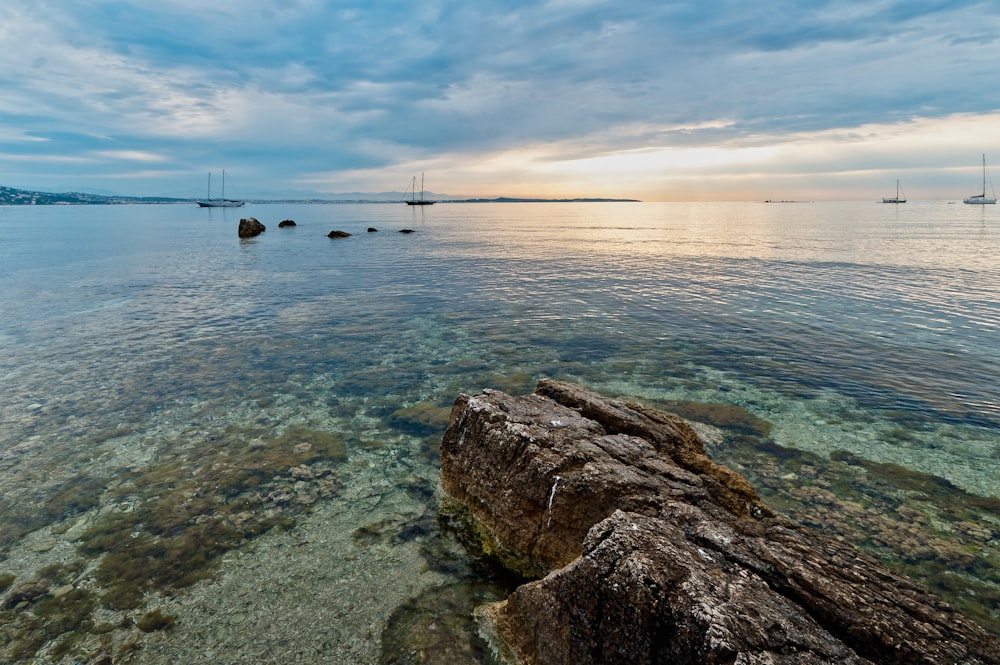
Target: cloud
285 93
131 155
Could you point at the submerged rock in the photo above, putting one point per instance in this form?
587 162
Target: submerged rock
338 234
25 593
286 223
250 227
644 550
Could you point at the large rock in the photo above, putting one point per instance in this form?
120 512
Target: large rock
250 227
649 552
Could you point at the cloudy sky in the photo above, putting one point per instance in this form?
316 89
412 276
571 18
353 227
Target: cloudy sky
657 100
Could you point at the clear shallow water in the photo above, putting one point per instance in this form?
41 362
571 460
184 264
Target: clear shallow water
140 337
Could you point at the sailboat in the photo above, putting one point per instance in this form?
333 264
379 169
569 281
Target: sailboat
219 203
413 200
895 199
980 199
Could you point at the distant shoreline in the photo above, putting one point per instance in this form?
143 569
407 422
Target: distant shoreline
11 196
507 199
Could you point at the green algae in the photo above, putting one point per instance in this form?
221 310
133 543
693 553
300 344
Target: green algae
724 416
487 556
515 383
170 523
66 612
916 523
155 620
57 608
51 504
421 419
144 563
201 507
438 627
308 446
958 503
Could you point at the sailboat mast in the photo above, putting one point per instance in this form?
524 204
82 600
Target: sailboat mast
984 175
223 184
413 200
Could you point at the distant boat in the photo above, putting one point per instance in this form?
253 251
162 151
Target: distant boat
219 203
412 189
980 199
895 199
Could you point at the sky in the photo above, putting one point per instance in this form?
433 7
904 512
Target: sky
653 100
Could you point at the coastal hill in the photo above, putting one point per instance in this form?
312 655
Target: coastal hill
11 196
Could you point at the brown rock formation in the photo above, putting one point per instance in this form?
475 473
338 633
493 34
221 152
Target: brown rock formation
250 227
653 553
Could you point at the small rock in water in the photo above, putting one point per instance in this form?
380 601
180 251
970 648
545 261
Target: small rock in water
250 227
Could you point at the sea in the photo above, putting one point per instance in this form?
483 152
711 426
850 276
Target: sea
224 450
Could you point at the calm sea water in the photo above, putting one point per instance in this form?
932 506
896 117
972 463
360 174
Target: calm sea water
136 339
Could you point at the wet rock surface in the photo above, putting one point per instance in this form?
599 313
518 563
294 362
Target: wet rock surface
250 227
643 550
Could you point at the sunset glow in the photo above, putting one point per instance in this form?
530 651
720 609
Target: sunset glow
647 101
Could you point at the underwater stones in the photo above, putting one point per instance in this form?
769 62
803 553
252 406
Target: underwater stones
642 553
281 496
421 418
436 628
338 234
43 544
721 415
241 519
23 594
200 512
286 223
155 620
250 227
77 530
301 472
975 531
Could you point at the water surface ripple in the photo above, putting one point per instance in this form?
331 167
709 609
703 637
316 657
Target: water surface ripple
134 335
